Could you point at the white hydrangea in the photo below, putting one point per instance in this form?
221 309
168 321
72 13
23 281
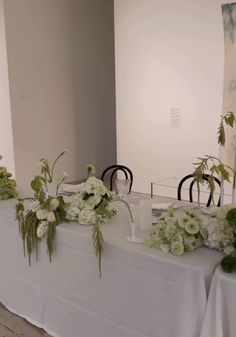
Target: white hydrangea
42 229
51 217
93 201
85 206
72 213
218 234
87 217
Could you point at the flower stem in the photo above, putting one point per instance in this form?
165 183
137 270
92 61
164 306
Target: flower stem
53 166
127 205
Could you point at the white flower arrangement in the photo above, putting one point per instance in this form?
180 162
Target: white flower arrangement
176 234
218 231
90 204
91 207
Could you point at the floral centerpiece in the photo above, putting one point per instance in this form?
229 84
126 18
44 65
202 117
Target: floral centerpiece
91 207
44 212
224 231
176 234
7 184
218 231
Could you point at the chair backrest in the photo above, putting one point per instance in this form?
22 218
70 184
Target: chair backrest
112 170
191 177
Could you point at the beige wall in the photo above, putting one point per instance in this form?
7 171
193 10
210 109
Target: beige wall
61 69
6 138
169 59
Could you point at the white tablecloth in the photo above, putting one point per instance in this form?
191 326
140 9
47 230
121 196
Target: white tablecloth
142 293
220 317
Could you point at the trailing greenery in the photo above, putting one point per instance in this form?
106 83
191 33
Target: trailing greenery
7 184
43 212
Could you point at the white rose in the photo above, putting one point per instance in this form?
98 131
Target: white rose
54 203
42 214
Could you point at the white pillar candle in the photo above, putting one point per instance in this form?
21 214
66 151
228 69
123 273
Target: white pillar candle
145 214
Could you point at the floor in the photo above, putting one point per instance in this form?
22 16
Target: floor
12 325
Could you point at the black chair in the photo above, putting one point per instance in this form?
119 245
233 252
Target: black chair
205 177
112 170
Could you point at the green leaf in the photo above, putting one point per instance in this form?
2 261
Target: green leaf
36 184
224 172
229 119
221 134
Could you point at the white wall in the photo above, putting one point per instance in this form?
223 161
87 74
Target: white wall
6 139
61 70
168 54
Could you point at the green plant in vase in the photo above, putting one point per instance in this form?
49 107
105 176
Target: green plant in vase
43 212
214 165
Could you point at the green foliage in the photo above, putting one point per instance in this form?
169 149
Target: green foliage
103 210
43 213
231 216
36 184
230 120
7 184
221 133
214 166
228 264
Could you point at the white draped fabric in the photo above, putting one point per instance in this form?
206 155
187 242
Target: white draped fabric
220 316
142 293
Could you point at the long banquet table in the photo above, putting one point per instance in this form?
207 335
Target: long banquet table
142 293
